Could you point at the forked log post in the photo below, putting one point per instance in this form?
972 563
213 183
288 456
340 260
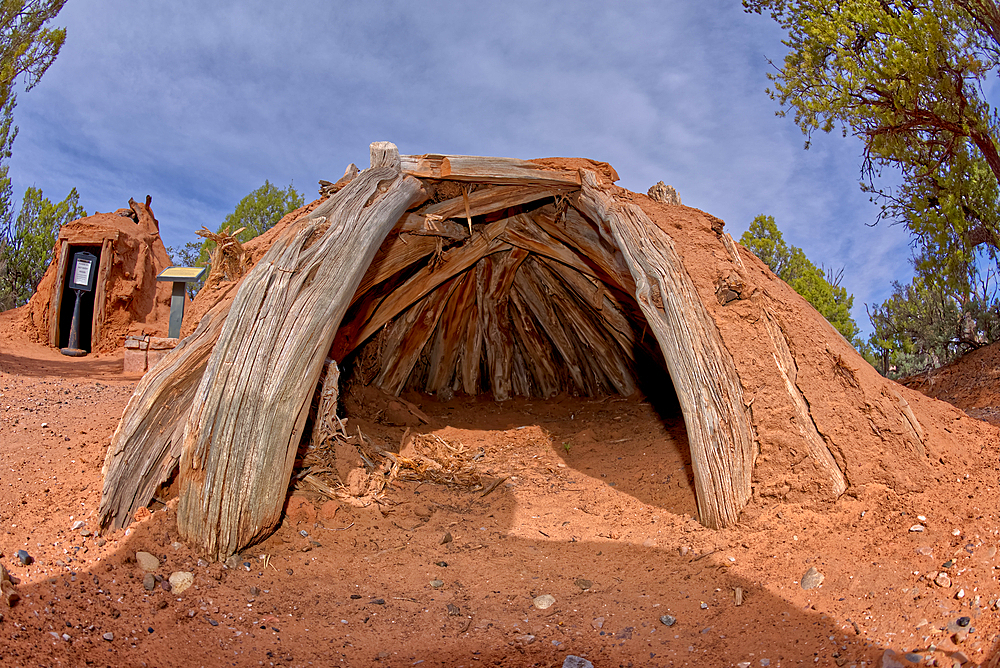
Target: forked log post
702 369
146 445
249 412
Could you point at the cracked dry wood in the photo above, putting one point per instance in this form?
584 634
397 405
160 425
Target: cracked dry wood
701 367
247 416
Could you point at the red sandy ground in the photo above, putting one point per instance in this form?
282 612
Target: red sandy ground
598 491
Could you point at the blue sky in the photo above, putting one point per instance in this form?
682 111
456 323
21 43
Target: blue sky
197 103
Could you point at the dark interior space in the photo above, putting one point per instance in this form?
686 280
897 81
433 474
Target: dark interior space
86 302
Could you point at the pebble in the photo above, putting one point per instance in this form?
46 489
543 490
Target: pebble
147 561
437 584
85 533
446 538
526 639
573 661
109 636
597 623
303 533
668 620
149 582
24 557
811 579
101 542
891 660
916 528
704 606
963 621
913 657
442 564
180 581
544 601
454 610
77 525
584 584
942 580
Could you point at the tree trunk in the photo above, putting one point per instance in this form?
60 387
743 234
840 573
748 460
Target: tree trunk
703 371
248 414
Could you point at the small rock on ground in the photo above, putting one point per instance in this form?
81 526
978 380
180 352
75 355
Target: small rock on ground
811 579
572 661
180 581
544 601
668 620
146 561
149 582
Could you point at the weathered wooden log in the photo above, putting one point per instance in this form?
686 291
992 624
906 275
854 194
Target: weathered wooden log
249 411
146 446
701 367
487 170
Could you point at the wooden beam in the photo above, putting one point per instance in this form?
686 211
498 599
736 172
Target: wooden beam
249 412
701 367
487 170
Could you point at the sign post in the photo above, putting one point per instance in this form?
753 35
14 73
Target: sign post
179 276
81 280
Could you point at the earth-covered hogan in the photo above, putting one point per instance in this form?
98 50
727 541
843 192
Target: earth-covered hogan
469 275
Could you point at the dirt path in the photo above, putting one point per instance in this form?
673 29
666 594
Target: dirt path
595 511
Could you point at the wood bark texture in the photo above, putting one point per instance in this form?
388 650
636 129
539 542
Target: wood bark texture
146 446
703 371
249 411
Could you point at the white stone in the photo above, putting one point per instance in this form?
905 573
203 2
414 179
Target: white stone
544 601
180 581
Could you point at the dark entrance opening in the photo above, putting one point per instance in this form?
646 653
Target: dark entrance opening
86 302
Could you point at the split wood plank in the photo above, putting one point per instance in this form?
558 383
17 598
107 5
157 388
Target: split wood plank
539 355
250 409
575 230
596 295
445 349
407 335
702 369
494 276
531 294
487 170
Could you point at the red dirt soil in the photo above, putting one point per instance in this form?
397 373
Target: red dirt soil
596 511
